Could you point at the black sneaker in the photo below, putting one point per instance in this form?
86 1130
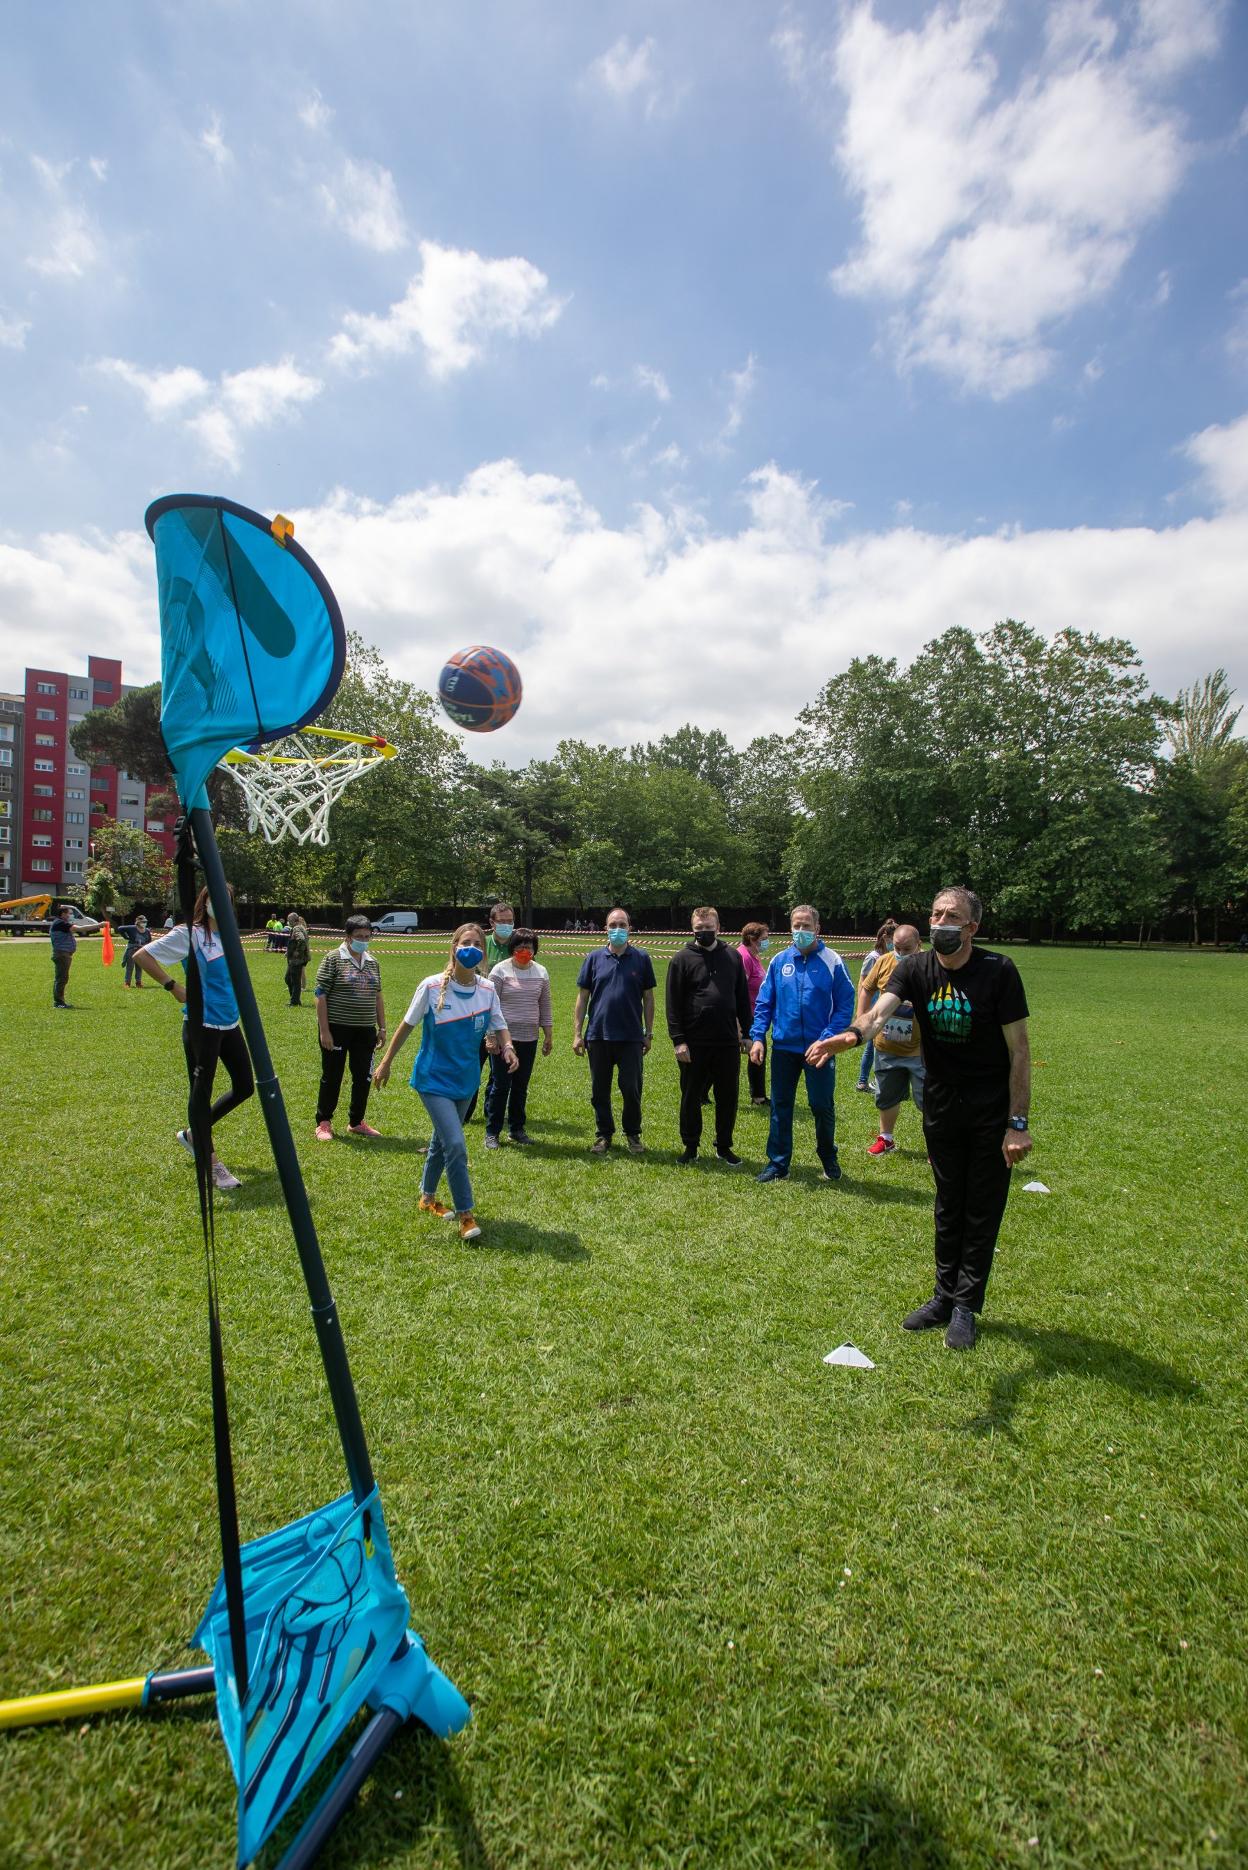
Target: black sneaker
729 1156
831 1175
685 1157
772 1173
961 1333
635 1146
491 1141
521 1136
937 1311
600 1146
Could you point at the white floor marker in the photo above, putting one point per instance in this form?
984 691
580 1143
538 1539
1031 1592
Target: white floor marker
1036 1188
850 1355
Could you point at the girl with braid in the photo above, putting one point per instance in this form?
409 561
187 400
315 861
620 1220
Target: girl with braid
455 1011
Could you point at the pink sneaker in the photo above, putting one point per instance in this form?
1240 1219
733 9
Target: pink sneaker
324 1132
362 1129
221 1177
881 1146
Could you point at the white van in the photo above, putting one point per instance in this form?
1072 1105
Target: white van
398 922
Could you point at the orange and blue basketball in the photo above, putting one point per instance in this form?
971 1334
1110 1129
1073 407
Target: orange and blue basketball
480 688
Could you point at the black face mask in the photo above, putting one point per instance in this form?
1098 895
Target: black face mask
705 938
946 940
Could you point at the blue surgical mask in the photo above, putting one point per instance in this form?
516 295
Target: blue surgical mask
469 957
359 947
764 945
502 931
804 939
617 937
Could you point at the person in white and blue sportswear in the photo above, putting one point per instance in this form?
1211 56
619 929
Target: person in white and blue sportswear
806 995
456 1011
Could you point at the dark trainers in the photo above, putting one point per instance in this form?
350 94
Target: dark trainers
937 1311
831 1175
685 1157
521 1136
961 1333
600 1146
491 1141
635 1146
773 1173
729 1156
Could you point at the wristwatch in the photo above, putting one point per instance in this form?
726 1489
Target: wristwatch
168 985
856 1033
1017 1123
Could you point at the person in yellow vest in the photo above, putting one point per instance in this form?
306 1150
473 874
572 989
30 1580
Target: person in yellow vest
898 1053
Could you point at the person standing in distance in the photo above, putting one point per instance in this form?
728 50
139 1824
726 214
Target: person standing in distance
972 1015
137 935
898 1054
753 948
806 995
350 1024
866 997
497 948
708 1015
616 988
64 947
523 988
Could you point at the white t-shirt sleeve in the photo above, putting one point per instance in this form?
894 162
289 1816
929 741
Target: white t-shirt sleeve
421 1001
171 948
498 1019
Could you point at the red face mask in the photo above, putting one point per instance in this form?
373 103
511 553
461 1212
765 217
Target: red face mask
523 956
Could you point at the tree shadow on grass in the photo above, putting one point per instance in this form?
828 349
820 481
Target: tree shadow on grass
1057 1353
872 1829
520 1237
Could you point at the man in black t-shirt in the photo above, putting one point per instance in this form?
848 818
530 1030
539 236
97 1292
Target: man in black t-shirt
972 1015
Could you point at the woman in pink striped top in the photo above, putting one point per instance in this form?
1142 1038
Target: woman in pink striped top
523 989
753 946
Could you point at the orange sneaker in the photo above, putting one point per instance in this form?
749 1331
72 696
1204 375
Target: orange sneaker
428 1205
468 1229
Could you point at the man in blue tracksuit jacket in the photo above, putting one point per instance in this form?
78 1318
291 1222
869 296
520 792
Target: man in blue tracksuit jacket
806 995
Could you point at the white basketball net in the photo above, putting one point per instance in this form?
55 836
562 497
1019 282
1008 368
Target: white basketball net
290 786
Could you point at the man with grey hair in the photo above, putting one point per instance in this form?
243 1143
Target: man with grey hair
972 1016
899 1070
806 996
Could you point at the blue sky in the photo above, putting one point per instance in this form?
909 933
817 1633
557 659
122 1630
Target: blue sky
684 352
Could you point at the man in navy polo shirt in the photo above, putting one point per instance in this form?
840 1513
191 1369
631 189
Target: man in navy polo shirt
616 986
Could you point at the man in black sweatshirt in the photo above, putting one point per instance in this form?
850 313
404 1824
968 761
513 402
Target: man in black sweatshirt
708 1017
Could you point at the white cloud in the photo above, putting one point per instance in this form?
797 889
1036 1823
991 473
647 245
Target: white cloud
363 200
315 113
212 142
220 413
1221 454
669 457
452 307
73 247
523 560
992 211
13 333
98 166
741 384
628 73
654 381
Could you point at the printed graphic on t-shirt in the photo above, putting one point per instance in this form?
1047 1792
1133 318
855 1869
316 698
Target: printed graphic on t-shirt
950 1014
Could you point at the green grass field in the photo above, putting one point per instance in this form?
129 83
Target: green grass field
713 1603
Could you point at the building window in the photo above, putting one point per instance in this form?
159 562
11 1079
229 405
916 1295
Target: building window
45 740
75 792
99 785
6 756
45 714
73 844
79 694
127 799
156 826
45 688
76 772
103 688
45 766
42 792
43 816
6 834
41 841
75 818
5 808
6 733
40 863
73 866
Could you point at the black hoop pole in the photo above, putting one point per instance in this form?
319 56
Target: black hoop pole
359 1763
324 1312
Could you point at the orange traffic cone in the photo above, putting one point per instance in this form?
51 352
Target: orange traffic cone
106 946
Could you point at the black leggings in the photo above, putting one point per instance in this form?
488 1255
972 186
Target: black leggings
231 1048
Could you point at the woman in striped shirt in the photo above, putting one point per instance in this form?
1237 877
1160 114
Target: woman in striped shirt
524 995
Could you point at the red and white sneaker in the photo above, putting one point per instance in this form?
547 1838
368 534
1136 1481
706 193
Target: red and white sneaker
324 1132
881 1146
362 1129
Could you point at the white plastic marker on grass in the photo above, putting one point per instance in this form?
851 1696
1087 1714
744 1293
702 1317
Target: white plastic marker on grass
1036 1188
851 1356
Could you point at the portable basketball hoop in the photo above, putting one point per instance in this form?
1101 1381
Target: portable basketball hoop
290 784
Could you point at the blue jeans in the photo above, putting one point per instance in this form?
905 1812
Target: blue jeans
868 1060
447 1149
786 1073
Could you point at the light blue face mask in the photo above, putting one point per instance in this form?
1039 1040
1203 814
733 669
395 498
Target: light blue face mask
617 937
764 945
358 947
804 939
502 931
